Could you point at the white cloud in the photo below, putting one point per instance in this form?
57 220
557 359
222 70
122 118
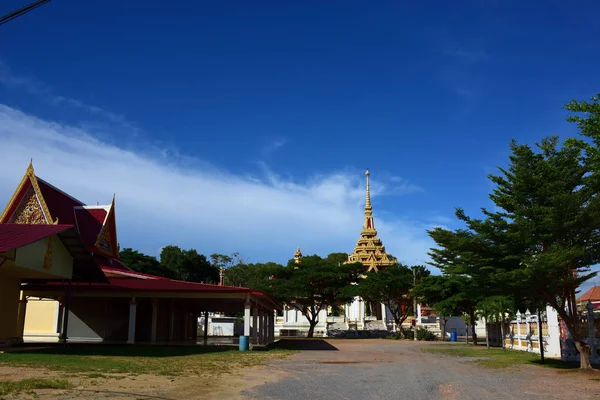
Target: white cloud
160 202
273 145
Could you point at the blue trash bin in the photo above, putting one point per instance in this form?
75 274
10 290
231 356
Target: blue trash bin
244 343
452 337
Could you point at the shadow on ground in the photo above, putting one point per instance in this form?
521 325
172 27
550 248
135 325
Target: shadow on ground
304 344
121 350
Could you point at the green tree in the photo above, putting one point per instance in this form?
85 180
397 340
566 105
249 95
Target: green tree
544 233
391 286
337 258
450 295
144 263
487 312
502 307
314 284
188 265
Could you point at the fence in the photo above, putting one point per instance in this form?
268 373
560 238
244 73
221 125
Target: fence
589 325
522 333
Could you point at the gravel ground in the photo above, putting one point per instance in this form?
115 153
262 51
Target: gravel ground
384 369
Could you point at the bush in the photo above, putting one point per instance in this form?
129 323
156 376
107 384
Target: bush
410 335
424 334
394 336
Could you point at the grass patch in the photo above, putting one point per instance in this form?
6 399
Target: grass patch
9 387
170 361
498 358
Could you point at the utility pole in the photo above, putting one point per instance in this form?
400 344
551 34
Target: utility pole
21 11
415 302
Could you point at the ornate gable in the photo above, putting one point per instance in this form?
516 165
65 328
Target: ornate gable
107 238
27 205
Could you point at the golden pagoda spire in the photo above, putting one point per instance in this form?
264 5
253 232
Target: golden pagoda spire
298 256
369 249
368 200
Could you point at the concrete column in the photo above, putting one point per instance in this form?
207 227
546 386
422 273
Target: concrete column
21 318
195 332
205 328
268 323
261 326
132 314
171 319
255 325
186 321
384 315
154 320
272 326
247 319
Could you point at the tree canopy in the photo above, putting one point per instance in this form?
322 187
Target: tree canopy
314 284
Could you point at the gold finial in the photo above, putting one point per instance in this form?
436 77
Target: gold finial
30 167
298 256
221 276
368 199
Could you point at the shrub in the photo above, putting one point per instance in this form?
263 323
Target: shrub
425 334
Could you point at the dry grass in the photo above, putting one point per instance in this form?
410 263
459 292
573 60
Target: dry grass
27 385
103 359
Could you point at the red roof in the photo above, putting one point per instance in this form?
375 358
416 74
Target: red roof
593 295
13 236
59 203
89 223
111 264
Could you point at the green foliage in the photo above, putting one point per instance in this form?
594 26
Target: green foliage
450 294
391 286
425 334
144 263
255 276
394 336
189 265
314 284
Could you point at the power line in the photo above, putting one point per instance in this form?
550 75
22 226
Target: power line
21 11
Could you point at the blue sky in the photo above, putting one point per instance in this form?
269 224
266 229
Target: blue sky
247 126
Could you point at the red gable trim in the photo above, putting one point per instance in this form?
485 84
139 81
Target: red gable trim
13 236
16 201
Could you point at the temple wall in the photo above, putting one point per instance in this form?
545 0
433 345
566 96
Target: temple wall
41 320
9 308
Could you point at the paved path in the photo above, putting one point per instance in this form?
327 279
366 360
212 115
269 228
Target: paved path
385 369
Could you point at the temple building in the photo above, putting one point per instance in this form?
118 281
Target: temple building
358 315
61 279
369 251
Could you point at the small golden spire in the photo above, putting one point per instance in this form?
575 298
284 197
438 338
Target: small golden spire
298 256
221 276
368 200
30 167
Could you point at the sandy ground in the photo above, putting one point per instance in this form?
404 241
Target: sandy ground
337 369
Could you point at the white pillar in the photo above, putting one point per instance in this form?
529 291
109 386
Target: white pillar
132 314
384 315
247 319
154 320
21 318
254 324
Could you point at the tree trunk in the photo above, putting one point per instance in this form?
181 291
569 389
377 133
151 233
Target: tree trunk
584 355
473 333
487 334
311 330
502 333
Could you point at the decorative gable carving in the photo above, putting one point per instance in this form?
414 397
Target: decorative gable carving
30 210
